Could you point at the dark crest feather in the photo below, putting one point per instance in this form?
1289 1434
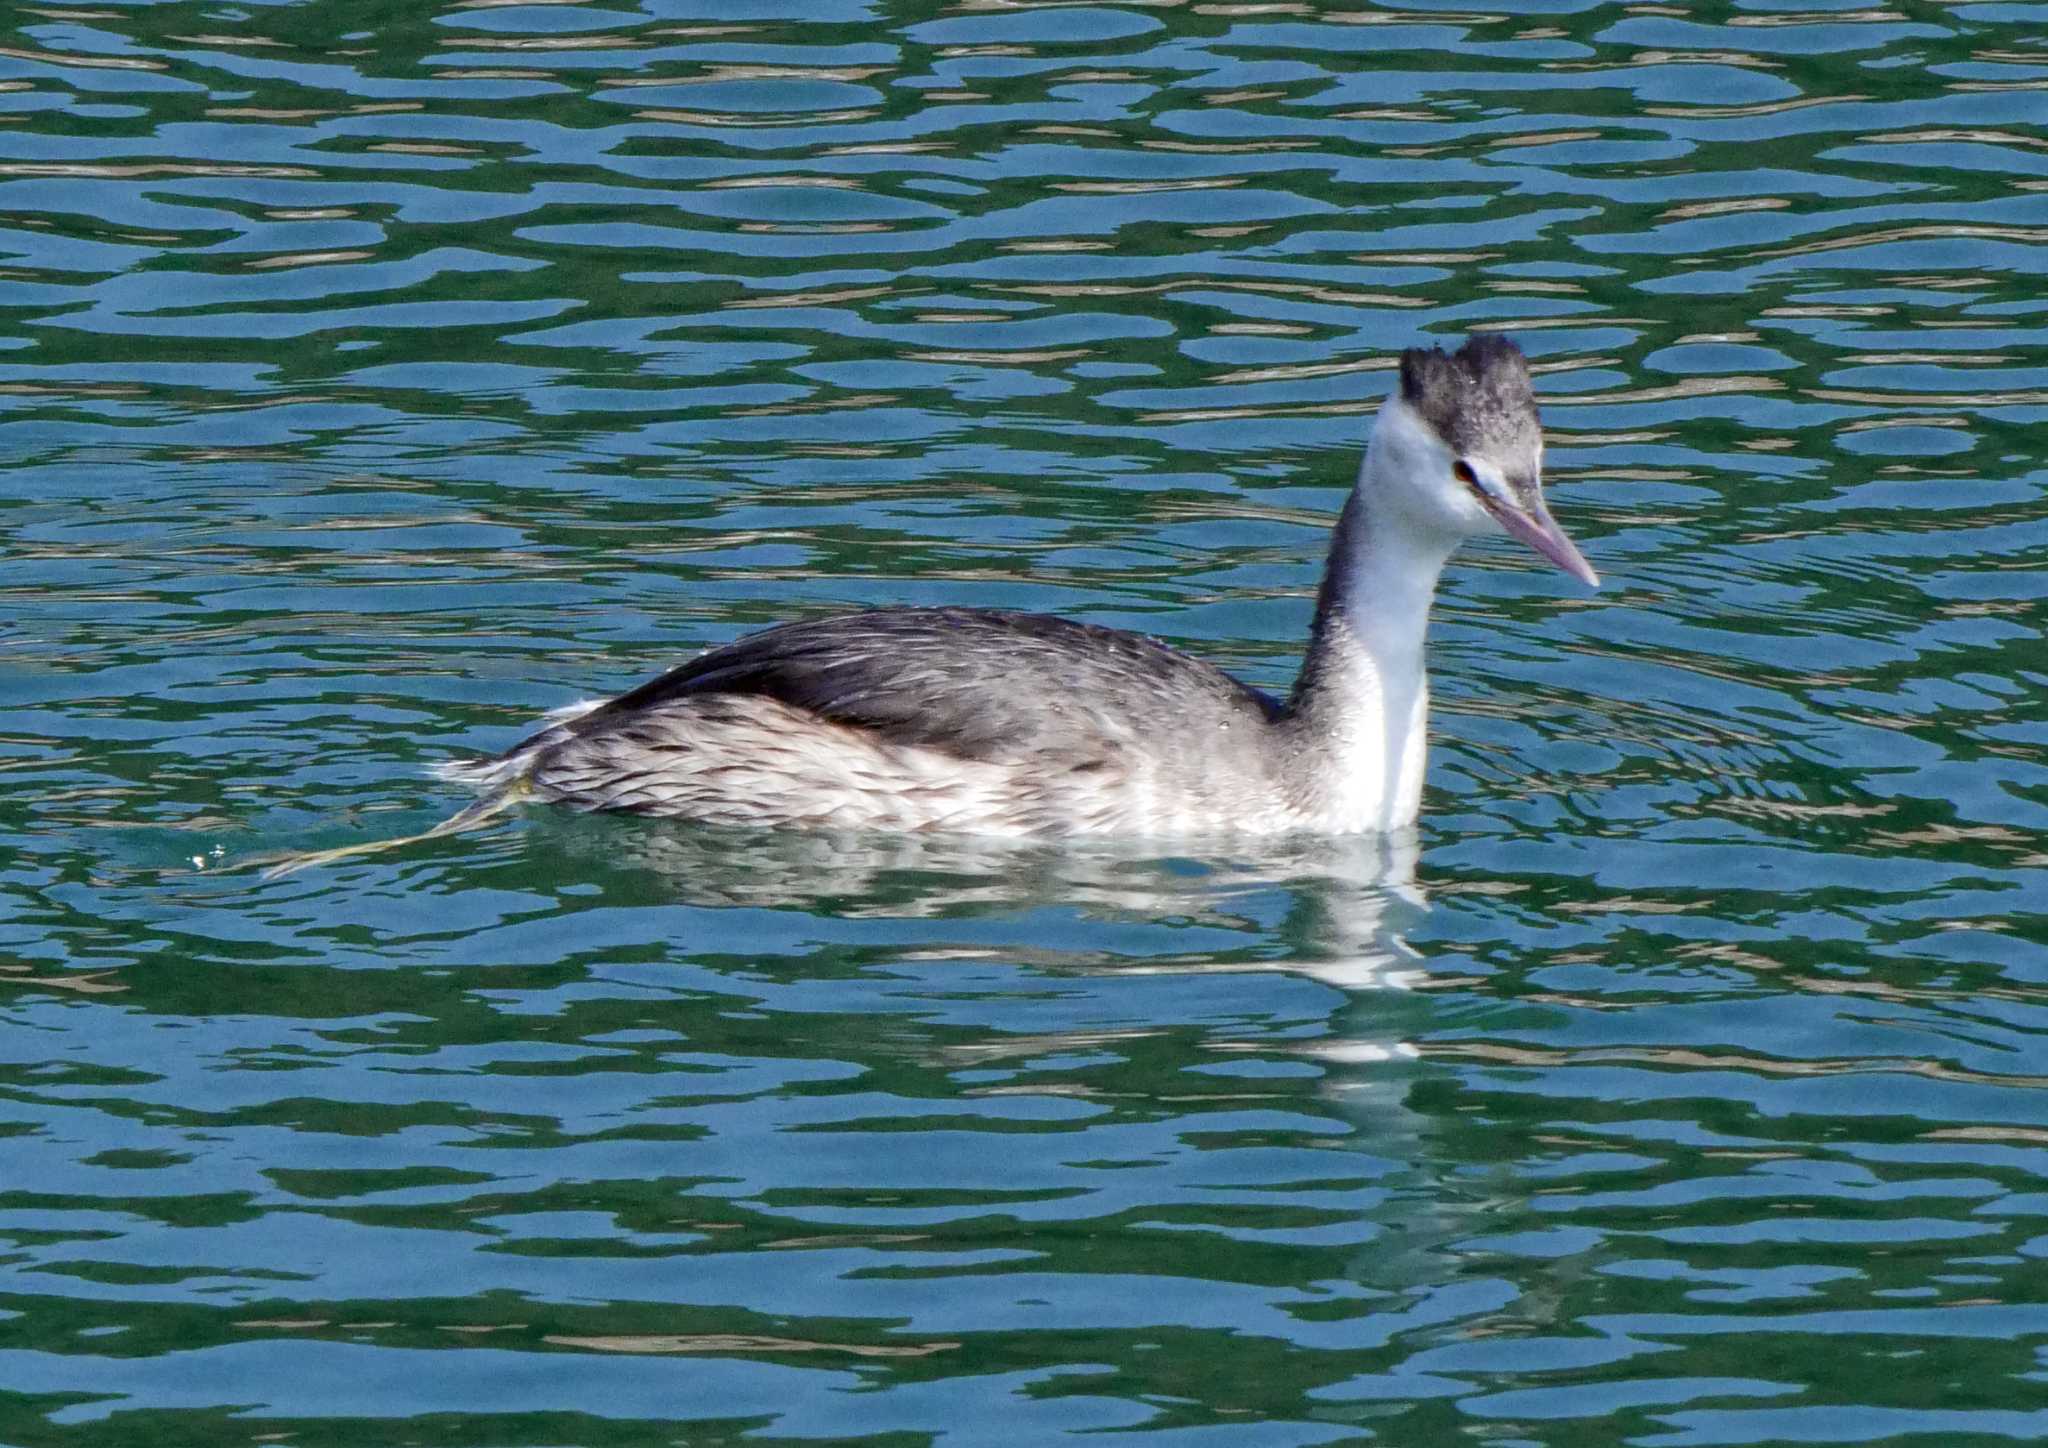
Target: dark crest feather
1478 398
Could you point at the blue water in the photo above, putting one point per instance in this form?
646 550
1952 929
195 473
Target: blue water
373 378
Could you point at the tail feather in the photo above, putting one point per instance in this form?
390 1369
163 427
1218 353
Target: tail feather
493 773
517 762
278 866
504 778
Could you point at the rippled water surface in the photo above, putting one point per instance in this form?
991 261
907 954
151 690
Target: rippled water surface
375 376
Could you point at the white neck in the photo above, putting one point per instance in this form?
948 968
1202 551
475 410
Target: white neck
1359 713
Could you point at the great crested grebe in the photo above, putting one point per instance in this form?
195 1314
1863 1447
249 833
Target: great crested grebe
1018 724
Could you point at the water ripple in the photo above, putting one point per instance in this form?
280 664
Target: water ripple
370 382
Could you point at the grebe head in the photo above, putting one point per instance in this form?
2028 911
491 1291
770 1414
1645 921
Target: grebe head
1458 450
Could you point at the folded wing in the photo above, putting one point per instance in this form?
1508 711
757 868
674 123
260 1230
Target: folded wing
977 684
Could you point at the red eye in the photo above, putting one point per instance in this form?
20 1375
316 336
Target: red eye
1462 471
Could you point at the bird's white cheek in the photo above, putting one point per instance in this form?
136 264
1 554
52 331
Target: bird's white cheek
1467 515
1448 508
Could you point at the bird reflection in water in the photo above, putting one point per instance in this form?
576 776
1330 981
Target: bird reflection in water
1330 908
